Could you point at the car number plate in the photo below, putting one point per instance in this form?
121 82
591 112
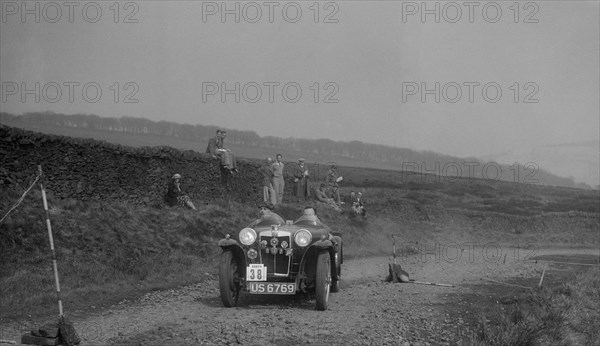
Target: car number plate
272 288
256 272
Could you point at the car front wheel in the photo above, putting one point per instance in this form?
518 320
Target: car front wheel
323 280
228 279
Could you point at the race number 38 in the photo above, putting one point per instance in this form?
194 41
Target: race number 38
256 272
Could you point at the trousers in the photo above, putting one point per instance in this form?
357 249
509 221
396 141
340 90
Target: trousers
269 195
278 186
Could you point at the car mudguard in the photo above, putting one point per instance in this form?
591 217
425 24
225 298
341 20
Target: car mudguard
323 244
314 249
238 252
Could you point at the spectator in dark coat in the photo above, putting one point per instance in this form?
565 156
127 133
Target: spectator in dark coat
301 188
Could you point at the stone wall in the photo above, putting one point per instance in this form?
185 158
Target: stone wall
88 169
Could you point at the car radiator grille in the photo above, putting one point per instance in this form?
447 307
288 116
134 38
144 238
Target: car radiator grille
278 264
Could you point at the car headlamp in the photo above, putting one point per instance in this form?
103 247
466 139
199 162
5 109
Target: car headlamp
247 236
303 237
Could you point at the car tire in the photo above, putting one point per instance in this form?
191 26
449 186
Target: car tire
228 280
323 280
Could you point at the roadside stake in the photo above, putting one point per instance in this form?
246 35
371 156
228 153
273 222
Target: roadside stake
412 281
62 332
543 273
394 247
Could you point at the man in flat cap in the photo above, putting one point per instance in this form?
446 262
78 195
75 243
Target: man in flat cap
266 214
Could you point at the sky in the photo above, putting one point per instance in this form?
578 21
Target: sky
507 78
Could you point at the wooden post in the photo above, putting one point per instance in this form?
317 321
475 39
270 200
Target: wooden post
543 273
394 247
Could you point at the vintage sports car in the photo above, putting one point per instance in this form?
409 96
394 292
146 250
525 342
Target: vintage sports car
273 256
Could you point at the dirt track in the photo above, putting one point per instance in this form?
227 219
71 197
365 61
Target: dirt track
365 311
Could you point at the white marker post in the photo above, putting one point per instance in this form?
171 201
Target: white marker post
60 307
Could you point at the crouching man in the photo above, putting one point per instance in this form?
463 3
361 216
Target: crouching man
321 196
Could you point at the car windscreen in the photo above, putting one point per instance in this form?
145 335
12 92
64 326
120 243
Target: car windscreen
268 221
308 221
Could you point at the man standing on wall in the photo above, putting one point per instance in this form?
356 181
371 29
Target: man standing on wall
278 183
267 185
301 188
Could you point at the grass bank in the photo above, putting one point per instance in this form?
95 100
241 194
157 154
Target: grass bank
566 314
106 252
111 251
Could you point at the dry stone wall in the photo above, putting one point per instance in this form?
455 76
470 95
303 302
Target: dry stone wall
89 169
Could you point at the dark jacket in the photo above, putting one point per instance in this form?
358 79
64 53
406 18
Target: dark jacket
212 146
301 187
266 173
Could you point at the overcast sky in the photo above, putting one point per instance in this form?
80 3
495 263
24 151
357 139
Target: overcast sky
374 58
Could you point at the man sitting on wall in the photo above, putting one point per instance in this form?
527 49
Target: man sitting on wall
227 158
227 164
